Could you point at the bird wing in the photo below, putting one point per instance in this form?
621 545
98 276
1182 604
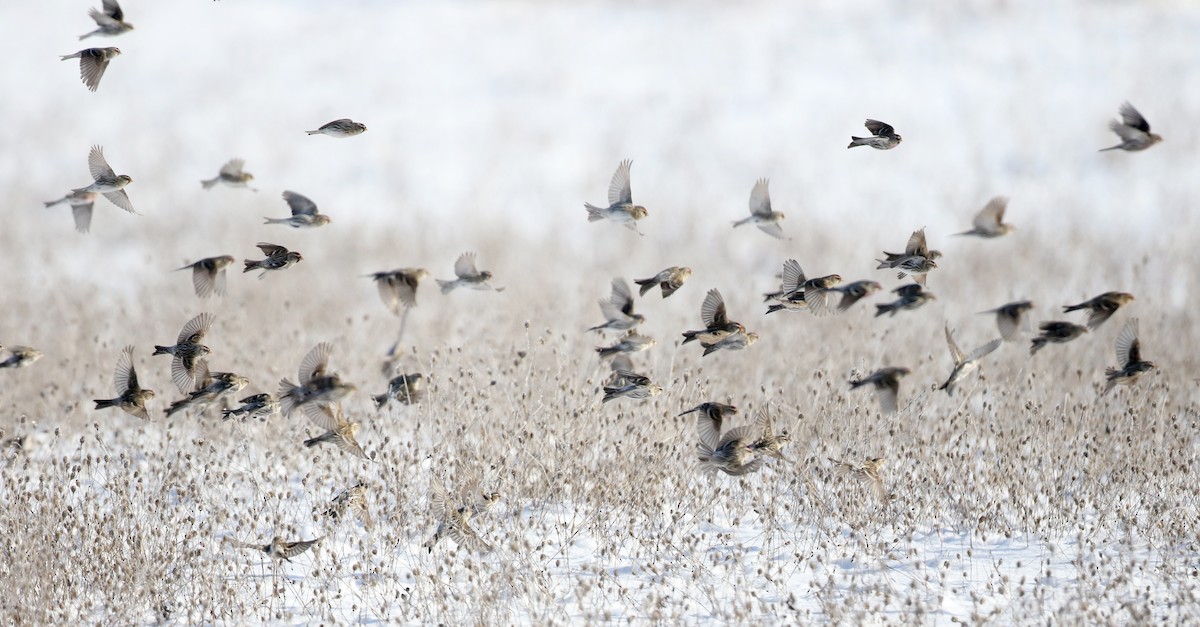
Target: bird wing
621 297
879 129
113 10
349 445
271 250
992 214
708 427
97 165
300 205
389 291
315 362
91 69
124 375
760 199
983 351
619 191
194 331
712 311
1128 349
793 276
1009 325
1131 117
464 266
955 351
83 217
120 199
203 280
888 391
916 244
439 499
289 550
633 378
326 416
745 469
102 19
234 168
771 228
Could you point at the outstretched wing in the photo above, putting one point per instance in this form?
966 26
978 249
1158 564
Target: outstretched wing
619 191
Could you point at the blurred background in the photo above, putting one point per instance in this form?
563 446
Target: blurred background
490 124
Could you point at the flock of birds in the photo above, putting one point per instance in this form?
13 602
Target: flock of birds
734 451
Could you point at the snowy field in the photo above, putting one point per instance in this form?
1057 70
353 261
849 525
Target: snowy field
1026 497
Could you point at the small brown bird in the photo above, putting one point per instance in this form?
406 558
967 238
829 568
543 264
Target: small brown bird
1129 358
210 387
1133 129
912 296
989 221
352 500
208 275
278 258
866 472
883 136
770 443
916 259
110 22
965 364
187 350
20 356
670 280
734 342
131 397
717 325
618 309
854 292
815 292
1011 319
398 288
761 214
81 204
279 549
887 386
467 275
633 342
256 406
620 207
318 387
305 214
107 182
1056 332
1102 307
92 63
628 384
340 432
232 175
404 388
733 454
454 520
342 128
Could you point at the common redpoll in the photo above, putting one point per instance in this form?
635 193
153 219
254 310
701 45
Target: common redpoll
883 136
1133 129
620 207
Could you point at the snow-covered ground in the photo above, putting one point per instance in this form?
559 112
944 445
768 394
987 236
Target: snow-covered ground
1025 498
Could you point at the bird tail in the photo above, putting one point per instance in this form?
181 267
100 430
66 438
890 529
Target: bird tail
106 403
708 348
311 442
250 265
446 286
737 223
689 336
646 284
287 402
857 141
1038 343
64 57
885 308
227 414
857 383
275 220
883 264
774 308
51 203
606 351
594 213
1109 148
162 350
380 400
609 394
208 184
312 132
1111 372
1071 308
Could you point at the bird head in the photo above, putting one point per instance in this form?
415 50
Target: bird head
124 179
486 275
638 212
294 256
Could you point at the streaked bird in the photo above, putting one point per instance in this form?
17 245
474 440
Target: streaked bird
131 397
280 549
854 292
620 207
911 296
734 342
398 288
770 443
883 136
340 430
1129 358
403 388
989 222
631 385
710 417
865 472
796 287
761 214
231 175
1055 332
304 213
916 259
618 309
468 276
632 342
278 258
256 406
1133 129
1102 307
1011 319
218 385
733 454
187 350
110 22
454 520
965 364
19 356
92 64
208 275
342 128
352 501
670 280
717 325
107 182
887 386
81 208
318 386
